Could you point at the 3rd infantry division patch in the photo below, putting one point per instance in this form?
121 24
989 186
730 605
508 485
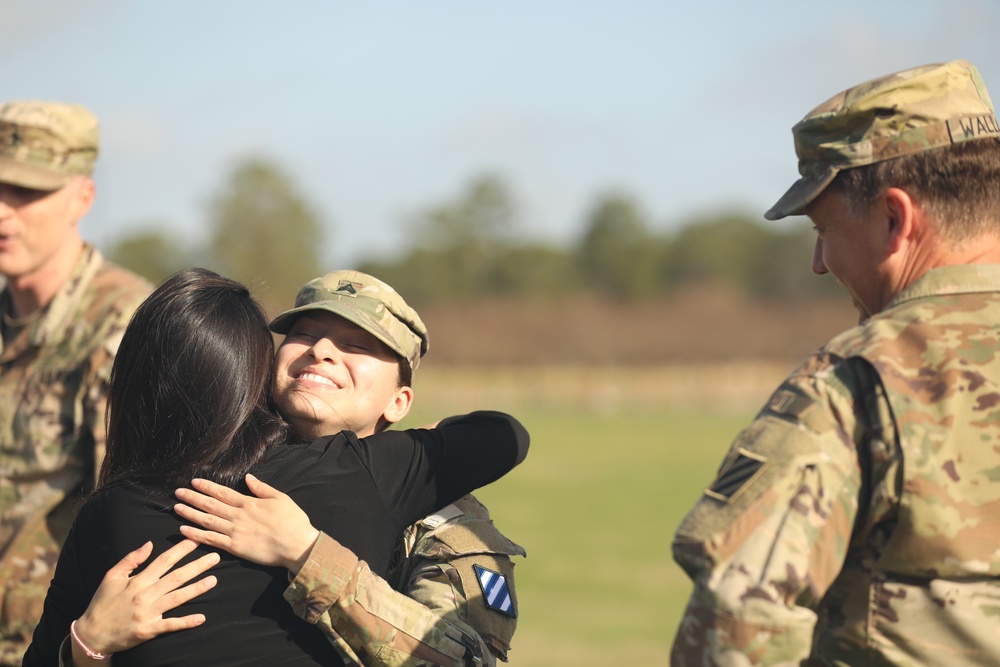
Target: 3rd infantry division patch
495 590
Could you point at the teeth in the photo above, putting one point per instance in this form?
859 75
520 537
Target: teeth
319 379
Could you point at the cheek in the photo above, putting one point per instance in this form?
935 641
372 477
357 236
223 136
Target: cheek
284 358
375 374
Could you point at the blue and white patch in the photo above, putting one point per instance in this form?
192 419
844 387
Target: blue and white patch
495 590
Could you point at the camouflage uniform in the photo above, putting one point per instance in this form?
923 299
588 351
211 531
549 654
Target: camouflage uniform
861 505
440 618
449 559
53 382
855 521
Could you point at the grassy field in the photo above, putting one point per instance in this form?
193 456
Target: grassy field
617 458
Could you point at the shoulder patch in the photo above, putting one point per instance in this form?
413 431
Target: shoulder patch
735 474
442 516
802 409
496 593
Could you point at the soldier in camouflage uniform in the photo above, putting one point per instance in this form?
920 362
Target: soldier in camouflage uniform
856 520
63 310
447 558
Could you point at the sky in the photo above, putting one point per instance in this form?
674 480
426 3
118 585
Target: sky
380 110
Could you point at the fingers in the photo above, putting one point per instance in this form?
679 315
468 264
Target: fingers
165 561
262 489
180 623
184 574
206 503
206 520
131 560
222 493
208 537
167 601
165 625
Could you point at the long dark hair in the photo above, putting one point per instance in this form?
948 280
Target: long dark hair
190 388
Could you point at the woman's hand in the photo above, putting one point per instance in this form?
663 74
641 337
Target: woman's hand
268 530
128 610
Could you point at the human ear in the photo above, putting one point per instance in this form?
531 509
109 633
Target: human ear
899 210
399 406
83 197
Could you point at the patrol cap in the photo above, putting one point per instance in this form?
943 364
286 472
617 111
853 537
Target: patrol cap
367 302
885 118
45 144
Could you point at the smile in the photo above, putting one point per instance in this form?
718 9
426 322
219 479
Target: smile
316 379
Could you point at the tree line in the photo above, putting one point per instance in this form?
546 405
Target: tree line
264 231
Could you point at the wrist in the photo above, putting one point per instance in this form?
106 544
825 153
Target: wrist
81 641
295 563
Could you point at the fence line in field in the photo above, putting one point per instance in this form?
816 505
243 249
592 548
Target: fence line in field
726 387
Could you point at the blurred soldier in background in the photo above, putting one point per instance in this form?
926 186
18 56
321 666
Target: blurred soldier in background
63 311
856 520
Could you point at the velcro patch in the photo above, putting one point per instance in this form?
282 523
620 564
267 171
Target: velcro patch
735 474
495 591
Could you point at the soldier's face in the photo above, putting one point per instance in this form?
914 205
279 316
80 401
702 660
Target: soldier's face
851 248
38 228
331 375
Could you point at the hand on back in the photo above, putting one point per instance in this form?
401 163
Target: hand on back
267 528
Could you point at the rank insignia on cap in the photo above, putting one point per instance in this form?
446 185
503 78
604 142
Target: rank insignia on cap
735 474
347 287
495 591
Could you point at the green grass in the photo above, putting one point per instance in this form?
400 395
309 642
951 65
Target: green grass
595 505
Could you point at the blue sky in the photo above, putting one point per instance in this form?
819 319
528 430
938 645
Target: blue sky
380 109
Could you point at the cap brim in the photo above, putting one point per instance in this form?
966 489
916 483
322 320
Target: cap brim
283 322
803 191
31 176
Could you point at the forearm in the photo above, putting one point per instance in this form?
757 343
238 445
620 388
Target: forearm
757 633
340 594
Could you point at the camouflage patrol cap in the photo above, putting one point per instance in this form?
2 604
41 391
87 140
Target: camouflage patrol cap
367 302
885 118
45 144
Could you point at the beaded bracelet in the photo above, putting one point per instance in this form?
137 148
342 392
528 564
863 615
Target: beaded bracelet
93 655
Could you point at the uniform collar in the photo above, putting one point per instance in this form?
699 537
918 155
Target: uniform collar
957 279
54 324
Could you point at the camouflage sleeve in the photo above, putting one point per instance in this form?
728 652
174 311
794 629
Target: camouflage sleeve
95 405
368 621
769 536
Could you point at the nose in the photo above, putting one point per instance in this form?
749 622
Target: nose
818 265
323 349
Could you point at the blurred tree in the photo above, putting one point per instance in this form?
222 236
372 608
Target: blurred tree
483 214
617 254
457 245
738 251
535 272
722 250
784 269
264 232
150 254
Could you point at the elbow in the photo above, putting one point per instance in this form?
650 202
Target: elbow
523 440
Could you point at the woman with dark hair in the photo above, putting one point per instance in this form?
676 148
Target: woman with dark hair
191 397
191 390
